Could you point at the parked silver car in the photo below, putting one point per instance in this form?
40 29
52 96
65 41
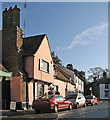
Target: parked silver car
77 99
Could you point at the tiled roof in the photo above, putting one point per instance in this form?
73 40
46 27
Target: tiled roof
62 71
69 72
62 75
104 80
31 44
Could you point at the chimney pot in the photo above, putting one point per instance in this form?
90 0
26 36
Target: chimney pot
16 6
11 7
6 9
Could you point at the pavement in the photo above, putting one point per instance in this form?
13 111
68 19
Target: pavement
27 114
17 112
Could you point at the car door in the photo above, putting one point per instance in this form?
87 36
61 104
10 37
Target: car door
60 102
83 99
79 100
57 101
63 103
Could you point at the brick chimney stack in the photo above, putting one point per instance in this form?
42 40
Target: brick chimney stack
11 17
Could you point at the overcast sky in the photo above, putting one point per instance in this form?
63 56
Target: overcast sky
77 31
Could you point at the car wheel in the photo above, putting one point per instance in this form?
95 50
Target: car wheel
77 106
84 105
55 108
96 103
70 106
37 111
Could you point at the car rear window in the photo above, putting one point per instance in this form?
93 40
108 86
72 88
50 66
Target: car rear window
72 96
46 97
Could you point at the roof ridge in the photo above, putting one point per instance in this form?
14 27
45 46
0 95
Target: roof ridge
67 69
34 36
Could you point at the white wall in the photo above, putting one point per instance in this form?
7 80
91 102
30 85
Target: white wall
102 87
102 93
79 83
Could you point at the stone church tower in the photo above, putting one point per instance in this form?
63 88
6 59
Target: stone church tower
12 52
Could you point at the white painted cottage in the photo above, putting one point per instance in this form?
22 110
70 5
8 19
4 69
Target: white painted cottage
105 88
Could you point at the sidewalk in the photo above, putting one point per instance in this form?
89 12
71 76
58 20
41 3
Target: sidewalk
17 112
27 114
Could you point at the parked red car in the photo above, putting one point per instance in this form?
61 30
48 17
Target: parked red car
91 99
51 102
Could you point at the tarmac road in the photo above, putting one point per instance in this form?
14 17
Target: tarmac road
100 111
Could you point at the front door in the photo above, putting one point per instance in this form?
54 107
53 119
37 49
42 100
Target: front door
5 94
39 90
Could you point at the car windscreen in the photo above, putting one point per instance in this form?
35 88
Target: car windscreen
72 96
89 97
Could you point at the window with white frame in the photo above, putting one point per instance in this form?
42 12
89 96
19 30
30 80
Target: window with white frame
106 86
44 66
78 81
55 72
106 94
75 79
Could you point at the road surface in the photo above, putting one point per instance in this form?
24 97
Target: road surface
100 111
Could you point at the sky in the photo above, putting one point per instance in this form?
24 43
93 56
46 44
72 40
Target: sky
77 31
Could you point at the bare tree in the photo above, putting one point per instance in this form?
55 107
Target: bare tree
95 73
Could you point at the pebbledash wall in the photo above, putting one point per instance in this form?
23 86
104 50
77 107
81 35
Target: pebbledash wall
62 86
43 53
40 80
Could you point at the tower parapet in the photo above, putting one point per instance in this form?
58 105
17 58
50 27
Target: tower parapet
11 17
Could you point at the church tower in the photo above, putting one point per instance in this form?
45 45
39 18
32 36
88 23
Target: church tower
12 52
